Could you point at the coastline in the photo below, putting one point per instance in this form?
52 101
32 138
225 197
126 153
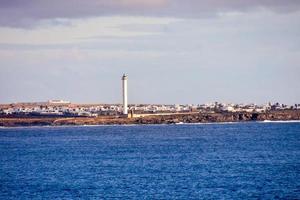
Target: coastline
282 116
130 125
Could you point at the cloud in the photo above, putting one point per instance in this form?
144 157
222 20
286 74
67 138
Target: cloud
78 30
20 13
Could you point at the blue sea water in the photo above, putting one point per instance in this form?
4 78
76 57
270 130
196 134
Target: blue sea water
208 161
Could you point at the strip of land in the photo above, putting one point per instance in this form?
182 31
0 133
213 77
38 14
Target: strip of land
284 115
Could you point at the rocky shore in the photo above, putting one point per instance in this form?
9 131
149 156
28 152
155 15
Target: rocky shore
157 119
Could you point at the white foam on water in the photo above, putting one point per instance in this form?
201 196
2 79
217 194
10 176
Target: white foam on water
280 121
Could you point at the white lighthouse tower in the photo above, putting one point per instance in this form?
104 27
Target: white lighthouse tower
124 83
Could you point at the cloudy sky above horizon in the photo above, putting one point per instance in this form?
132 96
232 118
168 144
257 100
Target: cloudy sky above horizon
174 51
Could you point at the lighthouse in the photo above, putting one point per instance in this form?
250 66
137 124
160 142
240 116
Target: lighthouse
124 84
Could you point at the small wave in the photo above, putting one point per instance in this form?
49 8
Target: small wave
280 121
204 123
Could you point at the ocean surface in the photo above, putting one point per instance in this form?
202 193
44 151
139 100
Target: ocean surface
200 161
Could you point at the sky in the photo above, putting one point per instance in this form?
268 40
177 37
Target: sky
173 51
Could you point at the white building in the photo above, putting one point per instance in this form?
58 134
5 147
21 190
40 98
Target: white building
58 102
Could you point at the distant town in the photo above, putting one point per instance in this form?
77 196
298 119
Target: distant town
61 108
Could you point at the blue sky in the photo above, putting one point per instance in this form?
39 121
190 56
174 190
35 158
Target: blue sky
173 51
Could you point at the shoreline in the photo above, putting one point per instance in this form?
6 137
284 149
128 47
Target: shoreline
129 125
177 119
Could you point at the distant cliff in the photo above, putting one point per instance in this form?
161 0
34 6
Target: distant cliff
156 119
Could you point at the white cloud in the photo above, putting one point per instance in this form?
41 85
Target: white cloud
80 30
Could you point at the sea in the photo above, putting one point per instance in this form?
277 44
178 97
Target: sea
186 161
